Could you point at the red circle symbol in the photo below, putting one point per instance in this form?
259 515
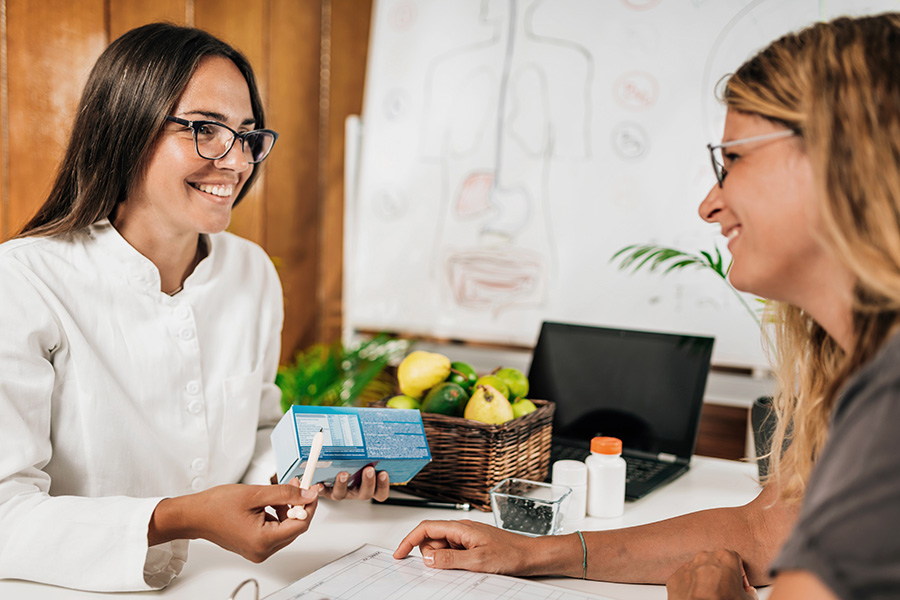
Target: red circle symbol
636 90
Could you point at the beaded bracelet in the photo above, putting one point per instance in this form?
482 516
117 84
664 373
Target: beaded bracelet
583 556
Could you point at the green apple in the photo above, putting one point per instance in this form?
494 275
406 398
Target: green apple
495 382
523 407
515 381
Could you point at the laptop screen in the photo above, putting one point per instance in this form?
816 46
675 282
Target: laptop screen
643 387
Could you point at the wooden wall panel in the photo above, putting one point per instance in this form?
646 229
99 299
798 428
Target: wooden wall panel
349 47
292 180
51 47
4 129
242 24
722 432
128 14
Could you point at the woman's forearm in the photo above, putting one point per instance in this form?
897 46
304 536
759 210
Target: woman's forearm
171 521
651 553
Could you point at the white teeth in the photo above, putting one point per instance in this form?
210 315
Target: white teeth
223 191
734 233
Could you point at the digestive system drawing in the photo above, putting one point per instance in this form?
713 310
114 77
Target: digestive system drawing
498 114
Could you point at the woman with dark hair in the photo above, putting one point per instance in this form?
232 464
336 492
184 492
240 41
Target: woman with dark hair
140 341
808 195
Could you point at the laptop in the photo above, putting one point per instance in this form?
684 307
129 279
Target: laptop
643 387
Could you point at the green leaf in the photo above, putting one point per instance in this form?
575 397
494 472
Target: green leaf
638 256
623 251
661 256
649 257
684 263
634 256
332 375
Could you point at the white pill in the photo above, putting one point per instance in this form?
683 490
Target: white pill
297 512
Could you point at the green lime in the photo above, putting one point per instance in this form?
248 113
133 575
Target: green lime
523 407
516 382
495 382
463 374
403 402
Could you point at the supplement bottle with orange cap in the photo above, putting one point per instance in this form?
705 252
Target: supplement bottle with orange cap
606 478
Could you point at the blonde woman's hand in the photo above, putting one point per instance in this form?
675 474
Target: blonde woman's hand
372 485
471 546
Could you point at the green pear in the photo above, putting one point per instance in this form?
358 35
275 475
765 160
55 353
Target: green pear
488 406
420 371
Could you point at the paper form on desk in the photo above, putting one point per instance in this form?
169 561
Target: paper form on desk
371 573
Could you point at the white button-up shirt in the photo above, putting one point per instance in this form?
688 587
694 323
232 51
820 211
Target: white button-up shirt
114 395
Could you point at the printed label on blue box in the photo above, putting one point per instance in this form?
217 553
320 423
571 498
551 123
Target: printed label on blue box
391 439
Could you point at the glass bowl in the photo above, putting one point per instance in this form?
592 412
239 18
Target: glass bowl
529 507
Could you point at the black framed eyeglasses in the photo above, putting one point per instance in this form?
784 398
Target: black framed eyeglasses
717 156
213 140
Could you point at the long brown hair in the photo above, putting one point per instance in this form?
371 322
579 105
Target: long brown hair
133 86
838 85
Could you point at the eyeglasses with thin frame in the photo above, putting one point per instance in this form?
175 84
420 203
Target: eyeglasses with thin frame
213 140
718 163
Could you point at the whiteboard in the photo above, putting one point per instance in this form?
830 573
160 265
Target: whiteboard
510 147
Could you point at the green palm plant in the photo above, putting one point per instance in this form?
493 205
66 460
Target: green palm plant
654 258
335 375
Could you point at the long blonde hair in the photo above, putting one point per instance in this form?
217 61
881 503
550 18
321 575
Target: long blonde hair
838 85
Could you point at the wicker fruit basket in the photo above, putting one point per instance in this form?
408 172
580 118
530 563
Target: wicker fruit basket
468 458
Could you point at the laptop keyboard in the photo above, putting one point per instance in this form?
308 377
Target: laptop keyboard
636 469
562 452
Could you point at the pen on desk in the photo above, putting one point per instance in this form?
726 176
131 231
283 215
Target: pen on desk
298 512
424 503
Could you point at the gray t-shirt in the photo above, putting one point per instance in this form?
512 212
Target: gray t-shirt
848 533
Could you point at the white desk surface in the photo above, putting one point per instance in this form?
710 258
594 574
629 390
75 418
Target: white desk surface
212 573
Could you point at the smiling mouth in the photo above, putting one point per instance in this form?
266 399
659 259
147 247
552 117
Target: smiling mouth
222 191
733 233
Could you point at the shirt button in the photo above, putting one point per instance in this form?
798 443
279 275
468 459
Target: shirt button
195 407
186 334
197 483
192 388
182 312
198 464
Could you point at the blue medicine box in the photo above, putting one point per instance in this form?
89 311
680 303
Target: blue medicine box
390 439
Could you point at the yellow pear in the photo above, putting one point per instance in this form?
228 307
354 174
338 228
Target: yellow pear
420 371
488 406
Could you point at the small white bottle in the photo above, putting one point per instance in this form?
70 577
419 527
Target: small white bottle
572 473
606 478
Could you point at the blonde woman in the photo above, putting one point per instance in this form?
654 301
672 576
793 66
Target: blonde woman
813 222
808 195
